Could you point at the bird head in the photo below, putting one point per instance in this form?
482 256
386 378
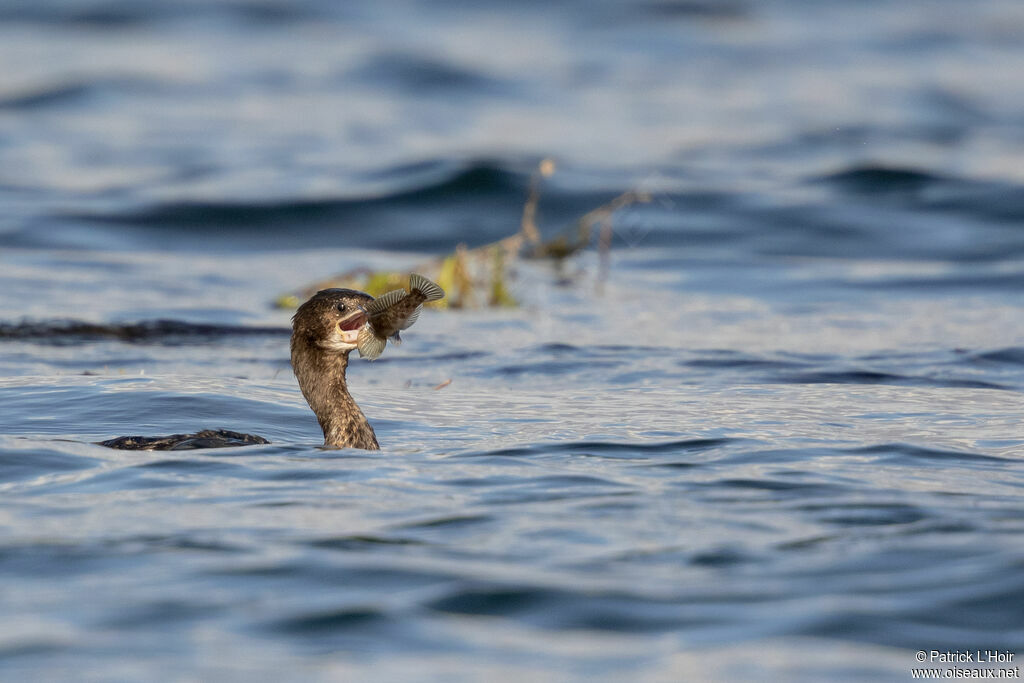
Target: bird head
331 319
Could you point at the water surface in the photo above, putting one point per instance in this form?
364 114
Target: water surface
783 438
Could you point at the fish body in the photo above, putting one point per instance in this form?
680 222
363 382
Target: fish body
389 314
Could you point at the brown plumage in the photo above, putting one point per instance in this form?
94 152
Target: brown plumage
207 438
324 332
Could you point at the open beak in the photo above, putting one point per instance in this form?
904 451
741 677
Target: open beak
350 326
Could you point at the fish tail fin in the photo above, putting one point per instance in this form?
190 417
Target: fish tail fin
369 344
430 290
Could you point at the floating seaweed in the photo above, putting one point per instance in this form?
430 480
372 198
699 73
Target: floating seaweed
483 276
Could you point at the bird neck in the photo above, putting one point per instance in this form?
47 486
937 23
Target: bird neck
322 380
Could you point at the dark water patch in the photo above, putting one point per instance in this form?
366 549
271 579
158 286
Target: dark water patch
111 15
806 543
903 356
1013 355
550 368
677 446
448 522
79 555
158 614
432 181
726 10
903 565
866 514
992 202
184 540
901 452
995 605
892 453
275 14
724 360
941 527
561 358
106 362
856 136
881 180
497 601
443 187
61 560
679 465
559 609
313 573
494 480
361 543
739 363
27 464
331 621
908 632
818 231
618 348
118 15
425 75
956 104
723 557
527 495
170 332
876 377
32 647
559 348
916 228
362 628
566 480
607 449
479 178
951 282
610 507
46 97
76 92
815 488
241 216
959 608
304 475
443 203
1002 203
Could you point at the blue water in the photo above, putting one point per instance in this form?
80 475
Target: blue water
782 441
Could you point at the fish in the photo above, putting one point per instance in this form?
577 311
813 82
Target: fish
389 314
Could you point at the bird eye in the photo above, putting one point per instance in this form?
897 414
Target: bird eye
342 308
